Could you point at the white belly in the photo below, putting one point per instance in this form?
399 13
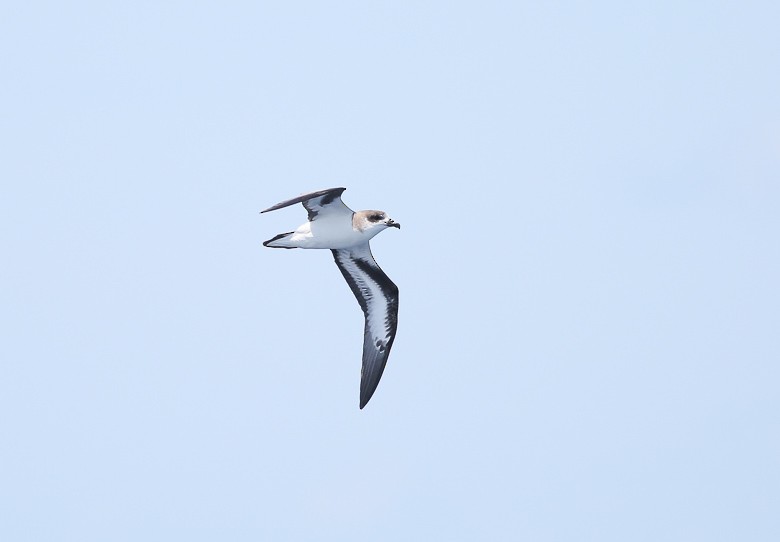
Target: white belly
326 233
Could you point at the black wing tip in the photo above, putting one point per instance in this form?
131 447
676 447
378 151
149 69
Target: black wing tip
367 393
368 388
364 400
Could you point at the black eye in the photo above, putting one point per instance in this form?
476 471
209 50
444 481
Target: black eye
375 218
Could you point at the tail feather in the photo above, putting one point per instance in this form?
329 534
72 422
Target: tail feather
276 241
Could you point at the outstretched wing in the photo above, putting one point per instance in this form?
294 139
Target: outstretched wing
317 203
378 297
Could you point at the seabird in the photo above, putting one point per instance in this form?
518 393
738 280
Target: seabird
346 233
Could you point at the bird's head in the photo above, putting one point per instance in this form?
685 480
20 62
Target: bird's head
374 221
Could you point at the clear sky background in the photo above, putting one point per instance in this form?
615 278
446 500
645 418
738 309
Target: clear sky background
588 345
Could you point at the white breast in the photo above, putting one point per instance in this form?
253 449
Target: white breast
328 232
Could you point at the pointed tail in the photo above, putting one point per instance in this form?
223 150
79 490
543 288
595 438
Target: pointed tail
280 241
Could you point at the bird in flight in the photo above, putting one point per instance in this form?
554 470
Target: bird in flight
332 225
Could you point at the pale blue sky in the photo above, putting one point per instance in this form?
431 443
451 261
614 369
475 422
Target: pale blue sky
588 343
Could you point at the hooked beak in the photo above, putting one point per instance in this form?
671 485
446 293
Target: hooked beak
393 224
